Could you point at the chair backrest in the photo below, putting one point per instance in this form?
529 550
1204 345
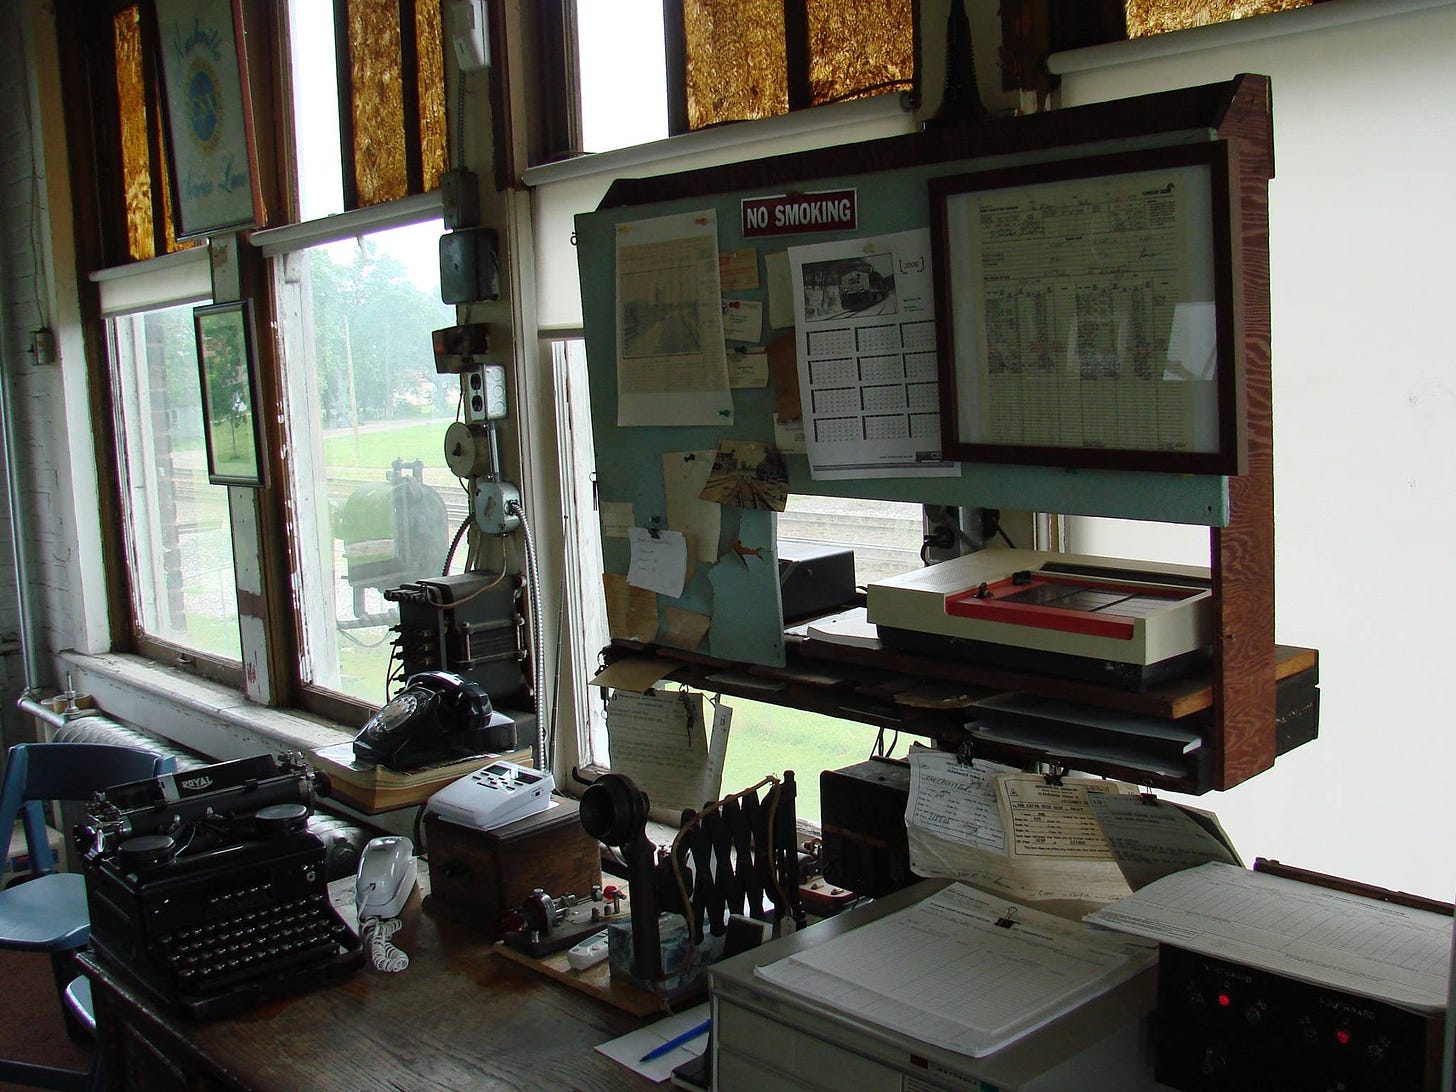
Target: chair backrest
36 773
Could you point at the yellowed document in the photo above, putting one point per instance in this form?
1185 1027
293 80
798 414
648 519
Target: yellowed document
661 742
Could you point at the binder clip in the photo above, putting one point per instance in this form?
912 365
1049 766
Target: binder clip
1007 919
1054 776
1148 798
966 753
654 527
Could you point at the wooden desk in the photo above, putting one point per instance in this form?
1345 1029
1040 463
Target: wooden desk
460 1017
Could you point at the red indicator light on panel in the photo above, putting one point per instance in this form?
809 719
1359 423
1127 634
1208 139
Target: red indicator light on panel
1224 1000
1343 1036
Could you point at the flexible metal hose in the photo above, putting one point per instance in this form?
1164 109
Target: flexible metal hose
538 667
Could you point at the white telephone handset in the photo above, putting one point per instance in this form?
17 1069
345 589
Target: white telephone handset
387 872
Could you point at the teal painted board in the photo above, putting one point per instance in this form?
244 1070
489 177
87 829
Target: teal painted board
740 593
895 201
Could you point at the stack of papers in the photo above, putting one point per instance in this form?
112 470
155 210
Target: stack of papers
1333 939
961 970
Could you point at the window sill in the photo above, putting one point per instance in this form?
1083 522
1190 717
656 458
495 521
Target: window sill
194 713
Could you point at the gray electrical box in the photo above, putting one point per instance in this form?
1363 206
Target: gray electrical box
469 266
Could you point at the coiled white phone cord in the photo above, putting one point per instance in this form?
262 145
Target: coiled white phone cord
382 952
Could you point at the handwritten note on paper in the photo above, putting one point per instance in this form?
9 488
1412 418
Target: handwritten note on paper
1054 820
659 561
742 320
738 269
748 371
955 800
660 741
1151 840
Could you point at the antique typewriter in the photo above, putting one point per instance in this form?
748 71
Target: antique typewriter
207 889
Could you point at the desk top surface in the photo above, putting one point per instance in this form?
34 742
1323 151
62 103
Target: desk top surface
460 1017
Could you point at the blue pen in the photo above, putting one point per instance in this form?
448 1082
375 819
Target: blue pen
676 1041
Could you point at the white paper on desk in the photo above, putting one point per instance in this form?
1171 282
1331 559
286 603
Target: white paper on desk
671 361
659 561
684 473
629 1048
1375 949
659 740
943 972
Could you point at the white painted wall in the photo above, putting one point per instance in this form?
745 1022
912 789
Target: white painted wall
1363 244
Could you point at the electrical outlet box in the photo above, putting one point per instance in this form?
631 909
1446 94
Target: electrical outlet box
496 406
492 501
469 266
460 198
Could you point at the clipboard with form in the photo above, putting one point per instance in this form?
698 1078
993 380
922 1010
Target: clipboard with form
957 971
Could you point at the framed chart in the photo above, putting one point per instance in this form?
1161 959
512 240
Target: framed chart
228 369
208 113
1086 313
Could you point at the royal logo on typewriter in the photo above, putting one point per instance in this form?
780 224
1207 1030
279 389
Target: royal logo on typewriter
193 784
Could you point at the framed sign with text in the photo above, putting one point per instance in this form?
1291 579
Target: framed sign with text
1087 313
208 113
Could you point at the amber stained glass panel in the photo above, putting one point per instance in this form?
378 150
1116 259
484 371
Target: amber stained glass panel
434 156
136 158
1148 17
736 66
859 48
377 107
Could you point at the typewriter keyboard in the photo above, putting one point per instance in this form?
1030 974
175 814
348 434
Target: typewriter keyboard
219 954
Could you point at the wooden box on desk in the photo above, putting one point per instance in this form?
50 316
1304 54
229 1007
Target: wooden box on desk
477 875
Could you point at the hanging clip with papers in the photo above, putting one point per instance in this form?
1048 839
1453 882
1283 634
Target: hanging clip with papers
1007 919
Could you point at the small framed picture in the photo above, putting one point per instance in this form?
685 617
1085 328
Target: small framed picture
231 424
209 120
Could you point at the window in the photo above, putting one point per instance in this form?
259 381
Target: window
885 536
179 555
373 504
729 60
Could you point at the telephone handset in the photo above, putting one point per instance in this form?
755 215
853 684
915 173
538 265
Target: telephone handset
438 716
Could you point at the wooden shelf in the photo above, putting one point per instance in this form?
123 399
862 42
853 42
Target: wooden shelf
932 698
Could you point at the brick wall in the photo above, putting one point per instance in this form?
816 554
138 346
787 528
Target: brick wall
34 392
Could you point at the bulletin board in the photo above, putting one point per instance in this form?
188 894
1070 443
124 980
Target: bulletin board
729 606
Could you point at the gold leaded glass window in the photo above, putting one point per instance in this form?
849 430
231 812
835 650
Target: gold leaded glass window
393 109
1148 17
745 59
859 48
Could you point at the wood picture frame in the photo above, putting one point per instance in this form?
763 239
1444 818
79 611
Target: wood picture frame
1086 313
227 367
208 119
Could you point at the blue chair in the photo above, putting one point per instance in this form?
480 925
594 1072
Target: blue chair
47 913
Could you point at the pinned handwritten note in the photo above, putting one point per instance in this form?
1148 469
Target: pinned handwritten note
659 561
661 742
